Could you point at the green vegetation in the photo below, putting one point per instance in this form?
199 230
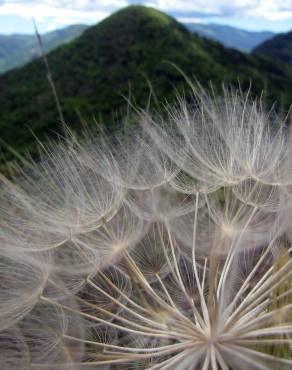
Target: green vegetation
94 73
279 48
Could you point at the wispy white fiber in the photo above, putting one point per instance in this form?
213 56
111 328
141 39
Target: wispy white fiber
167 246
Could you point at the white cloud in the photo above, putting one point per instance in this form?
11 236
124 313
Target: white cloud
190 20
207 7
268 9
94 10
273 10
71 4
63 12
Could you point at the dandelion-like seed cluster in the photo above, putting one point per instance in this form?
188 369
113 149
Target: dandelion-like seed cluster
168 247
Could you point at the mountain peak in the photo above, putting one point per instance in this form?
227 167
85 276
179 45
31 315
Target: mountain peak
136 19
116 57
141 11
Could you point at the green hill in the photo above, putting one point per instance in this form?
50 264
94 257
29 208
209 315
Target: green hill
94 71
17 49
279 48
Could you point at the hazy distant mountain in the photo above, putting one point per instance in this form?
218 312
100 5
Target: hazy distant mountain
230 36
18 49
279 47
94 73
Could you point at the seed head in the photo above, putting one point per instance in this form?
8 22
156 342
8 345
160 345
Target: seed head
169 248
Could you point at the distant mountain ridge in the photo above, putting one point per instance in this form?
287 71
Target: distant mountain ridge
231 36
123 53
279 48
19 49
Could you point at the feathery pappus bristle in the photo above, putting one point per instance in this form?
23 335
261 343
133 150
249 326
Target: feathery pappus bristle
169 248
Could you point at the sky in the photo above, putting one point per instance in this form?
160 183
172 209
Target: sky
16 15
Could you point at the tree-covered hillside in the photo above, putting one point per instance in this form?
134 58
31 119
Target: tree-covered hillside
95 72
278 47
